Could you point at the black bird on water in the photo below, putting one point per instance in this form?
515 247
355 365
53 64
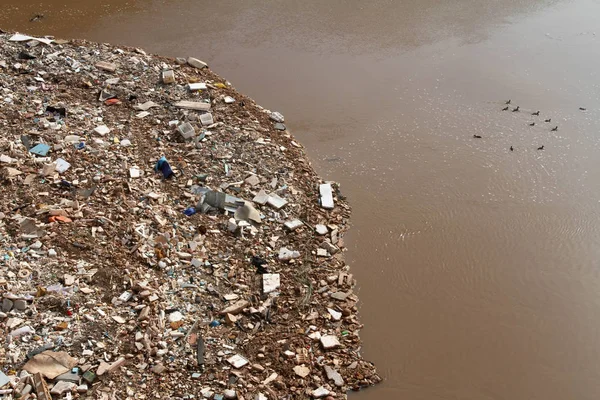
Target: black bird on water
536 113
477 136
548 120
511 148
532 124
516 109
505 108
555 129
541 148
507 102
582 108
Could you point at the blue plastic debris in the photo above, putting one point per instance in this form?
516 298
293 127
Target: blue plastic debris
41 149
214 323
163 166
189 211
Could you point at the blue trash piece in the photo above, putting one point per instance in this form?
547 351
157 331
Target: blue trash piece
41 149
189 211
163 166
214 323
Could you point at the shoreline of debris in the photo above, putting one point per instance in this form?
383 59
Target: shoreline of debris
163 236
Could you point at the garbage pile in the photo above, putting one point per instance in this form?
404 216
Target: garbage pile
162 236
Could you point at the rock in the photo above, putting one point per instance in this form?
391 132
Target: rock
7 305
302 371
329 342
194 62
330 248
333 375
336 315
339 296
230 394
320 392
20 305
285 254
82 388
279 126
159 369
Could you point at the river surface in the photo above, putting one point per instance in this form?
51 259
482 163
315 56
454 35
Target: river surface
478 267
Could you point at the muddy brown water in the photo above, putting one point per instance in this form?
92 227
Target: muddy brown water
478 267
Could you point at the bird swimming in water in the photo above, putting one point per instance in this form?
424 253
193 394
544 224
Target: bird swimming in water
505 108
541 148
477 136
582 108
507 101
555 129
516 109
532 124
511 148
536 113
548 120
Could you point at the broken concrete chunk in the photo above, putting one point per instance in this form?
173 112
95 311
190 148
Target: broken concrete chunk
194 62
106 66
333 375
271 282
261 198
275 201
293 224
193 105
277 117
286 254
320 392
321 230
235 308
237 361
62 387
326 193
302 371
168 77
329 342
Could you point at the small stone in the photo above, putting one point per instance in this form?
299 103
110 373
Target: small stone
20 305
302 371
52 253
62 387
7 305
252 180
82 388
230 394
159 369
341 296
279 126
320 392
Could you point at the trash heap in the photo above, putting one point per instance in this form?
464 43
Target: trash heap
162 236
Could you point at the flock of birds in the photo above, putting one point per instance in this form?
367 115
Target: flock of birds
537 113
